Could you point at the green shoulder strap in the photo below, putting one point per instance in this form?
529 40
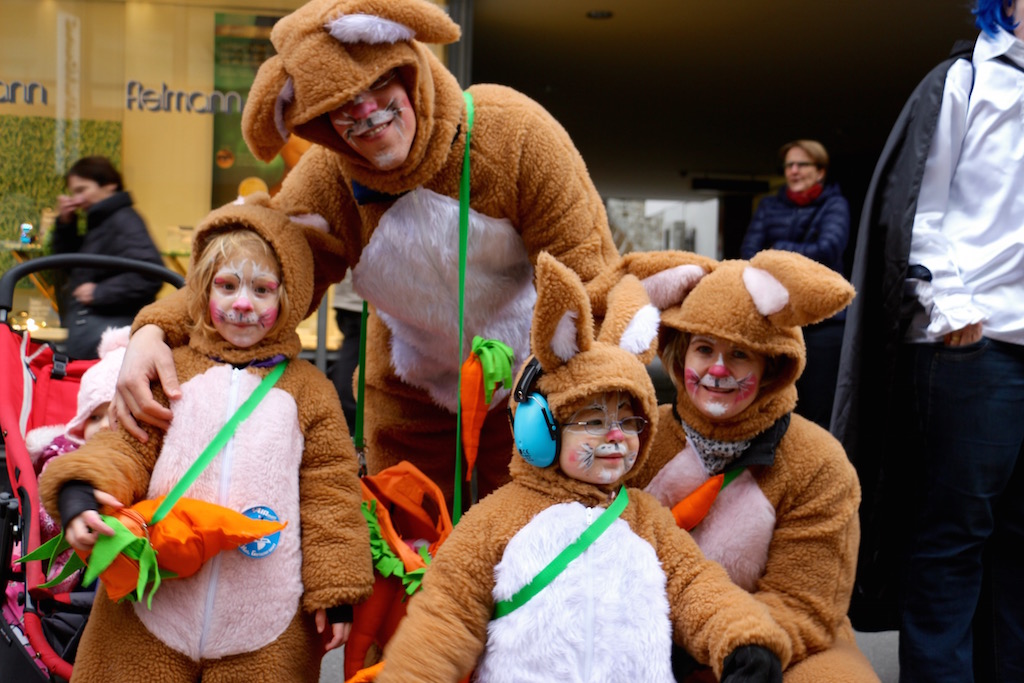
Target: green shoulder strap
361 376
463 246
562 560
219 441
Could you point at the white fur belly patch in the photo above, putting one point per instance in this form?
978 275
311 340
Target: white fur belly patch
409 271
605 618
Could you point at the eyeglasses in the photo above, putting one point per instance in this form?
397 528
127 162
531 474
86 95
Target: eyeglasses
599 426
798 164
383 81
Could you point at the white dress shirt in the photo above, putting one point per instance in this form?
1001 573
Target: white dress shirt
969 226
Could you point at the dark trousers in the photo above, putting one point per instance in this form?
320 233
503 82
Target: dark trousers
816 387
968 496
349 323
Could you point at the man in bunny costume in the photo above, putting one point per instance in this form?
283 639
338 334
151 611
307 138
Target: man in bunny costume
784 521
612 612
378 193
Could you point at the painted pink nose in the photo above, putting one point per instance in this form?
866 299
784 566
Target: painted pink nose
242 304
718 370
615 433
363 109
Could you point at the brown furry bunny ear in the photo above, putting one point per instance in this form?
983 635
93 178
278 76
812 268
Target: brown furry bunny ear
563 325
263 117
668 276
631 322
791 289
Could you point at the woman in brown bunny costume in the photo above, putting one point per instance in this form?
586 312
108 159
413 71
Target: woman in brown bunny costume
379 193
784 525
611 613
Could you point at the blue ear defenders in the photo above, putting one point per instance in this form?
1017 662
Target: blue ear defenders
534 428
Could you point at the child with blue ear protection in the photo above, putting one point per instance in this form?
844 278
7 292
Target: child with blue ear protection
564 573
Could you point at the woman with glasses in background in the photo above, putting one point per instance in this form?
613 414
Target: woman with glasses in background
811 217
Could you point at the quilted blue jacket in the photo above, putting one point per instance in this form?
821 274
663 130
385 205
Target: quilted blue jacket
819 230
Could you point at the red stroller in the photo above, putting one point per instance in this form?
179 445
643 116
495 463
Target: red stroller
39 388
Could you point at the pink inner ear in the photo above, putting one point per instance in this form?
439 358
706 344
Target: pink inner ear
669 287
284 98
311 220
769 295
563 340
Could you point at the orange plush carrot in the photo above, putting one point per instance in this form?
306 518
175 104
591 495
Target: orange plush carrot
691 510
133 562
488 365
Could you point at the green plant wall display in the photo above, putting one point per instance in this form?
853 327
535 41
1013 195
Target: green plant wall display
34 153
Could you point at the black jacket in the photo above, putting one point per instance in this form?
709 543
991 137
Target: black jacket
867 411
114 228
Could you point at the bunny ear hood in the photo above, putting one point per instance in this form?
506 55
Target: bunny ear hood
328 51
99 382
288 241
761 304
576 364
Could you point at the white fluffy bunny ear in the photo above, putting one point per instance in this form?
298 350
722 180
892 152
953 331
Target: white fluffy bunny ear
563 324
631 321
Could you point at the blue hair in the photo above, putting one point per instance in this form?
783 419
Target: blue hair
990 17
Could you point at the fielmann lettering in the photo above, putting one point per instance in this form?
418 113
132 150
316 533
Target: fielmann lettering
141 98
9 92
138 98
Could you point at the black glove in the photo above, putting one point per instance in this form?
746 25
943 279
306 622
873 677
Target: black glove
75 497
683 663
752 664
341 614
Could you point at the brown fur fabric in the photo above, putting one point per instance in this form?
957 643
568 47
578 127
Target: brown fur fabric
811 558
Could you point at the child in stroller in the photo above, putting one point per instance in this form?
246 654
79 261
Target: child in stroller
39 627
46 443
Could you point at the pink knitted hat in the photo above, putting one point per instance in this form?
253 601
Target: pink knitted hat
100 381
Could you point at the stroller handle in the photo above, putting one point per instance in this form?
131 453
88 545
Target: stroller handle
56 261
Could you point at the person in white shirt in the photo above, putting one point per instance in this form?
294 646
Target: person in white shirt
964 359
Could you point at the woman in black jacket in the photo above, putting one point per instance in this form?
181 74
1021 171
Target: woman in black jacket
810 217
94 299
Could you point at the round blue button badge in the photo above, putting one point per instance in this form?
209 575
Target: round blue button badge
261 547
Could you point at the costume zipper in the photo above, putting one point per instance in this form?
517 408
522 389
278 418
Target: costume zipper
222 497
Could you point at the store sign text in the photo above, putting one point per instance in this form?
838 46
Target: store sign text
9 92
137 98
140 98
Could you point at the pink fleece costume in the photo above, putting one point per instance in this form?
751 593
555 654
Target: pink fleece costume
398 230
244 615
786 529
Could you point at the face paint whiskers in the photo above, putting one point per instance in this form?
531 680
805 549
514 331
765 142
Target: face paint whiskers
728 382
376 118
239 317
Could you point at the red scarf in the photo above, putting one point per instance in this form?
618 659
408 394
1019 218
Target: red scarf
807 196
